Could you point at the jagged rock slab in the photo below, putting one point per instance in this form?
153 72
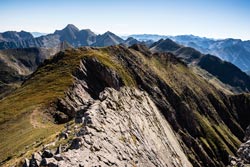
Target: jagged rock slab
123 128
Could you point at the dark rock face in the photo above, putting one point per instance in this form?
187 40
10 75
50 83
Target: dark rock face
12 36
47 154
13 39
131 41
201 115
93 77
241 102
107 39
165 45
231 75
75 37
76 143
180 111
208 124
224 71
16 65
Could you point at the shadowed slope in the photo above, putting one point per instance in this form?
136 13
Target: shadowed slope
207 121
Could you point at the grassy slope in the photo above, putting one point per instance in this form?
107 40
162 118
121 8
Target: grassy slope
213 131
47 84
216 136
50 82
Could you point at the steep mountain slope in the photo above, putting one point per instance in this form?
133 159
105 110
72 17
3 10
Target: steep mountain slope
18 64
69 34
121 128
12 36
208 124
131 41
232 75
232 50
108 39
165 45
13 39
75 37
224 71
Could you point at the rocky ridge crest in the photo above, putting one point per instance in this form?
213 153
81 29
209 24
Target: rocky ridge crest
120 128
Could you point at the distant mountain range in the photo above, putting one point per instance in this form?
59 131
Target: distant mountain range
232 50
224 71
154 103
70 34
123 104
235 51
17 64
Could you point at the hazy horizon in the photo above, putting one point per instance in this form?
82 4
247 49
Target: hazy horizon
211 19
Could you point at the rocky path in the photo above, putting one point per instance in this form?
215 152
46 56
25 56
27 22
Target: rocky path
122 128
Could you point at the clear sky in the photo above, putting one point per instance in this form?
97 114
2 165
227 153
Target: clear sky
208 18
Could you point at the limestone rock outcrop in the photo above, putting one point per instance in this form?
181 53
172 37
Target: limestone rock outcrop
121 128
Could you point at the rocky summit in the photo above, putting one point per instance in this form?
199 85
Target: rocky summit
120 106
84 84
121 128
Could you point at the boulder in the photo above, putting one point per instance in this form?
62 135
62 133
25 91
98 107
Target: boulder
33 162
47 154
49 162
76 143
58 150
58 157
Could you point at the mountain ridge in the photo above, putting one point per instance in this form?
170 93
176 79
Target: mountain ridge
224 71
76 38
210 124
18 64
235 51
70 33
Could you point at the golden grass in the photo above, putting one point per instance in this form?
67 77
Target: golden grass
47 84
217 137
19 137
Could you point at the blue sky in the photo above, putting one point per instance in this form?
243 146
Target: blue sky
208 18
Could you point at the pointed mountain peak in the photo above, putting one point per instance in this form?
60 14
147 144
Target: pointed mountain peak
71 27
130 38
109 33
167 41
108 39
165 45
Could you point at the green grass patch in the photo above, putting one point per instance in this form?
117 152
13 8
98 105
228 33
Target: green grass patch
46 85
216 137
